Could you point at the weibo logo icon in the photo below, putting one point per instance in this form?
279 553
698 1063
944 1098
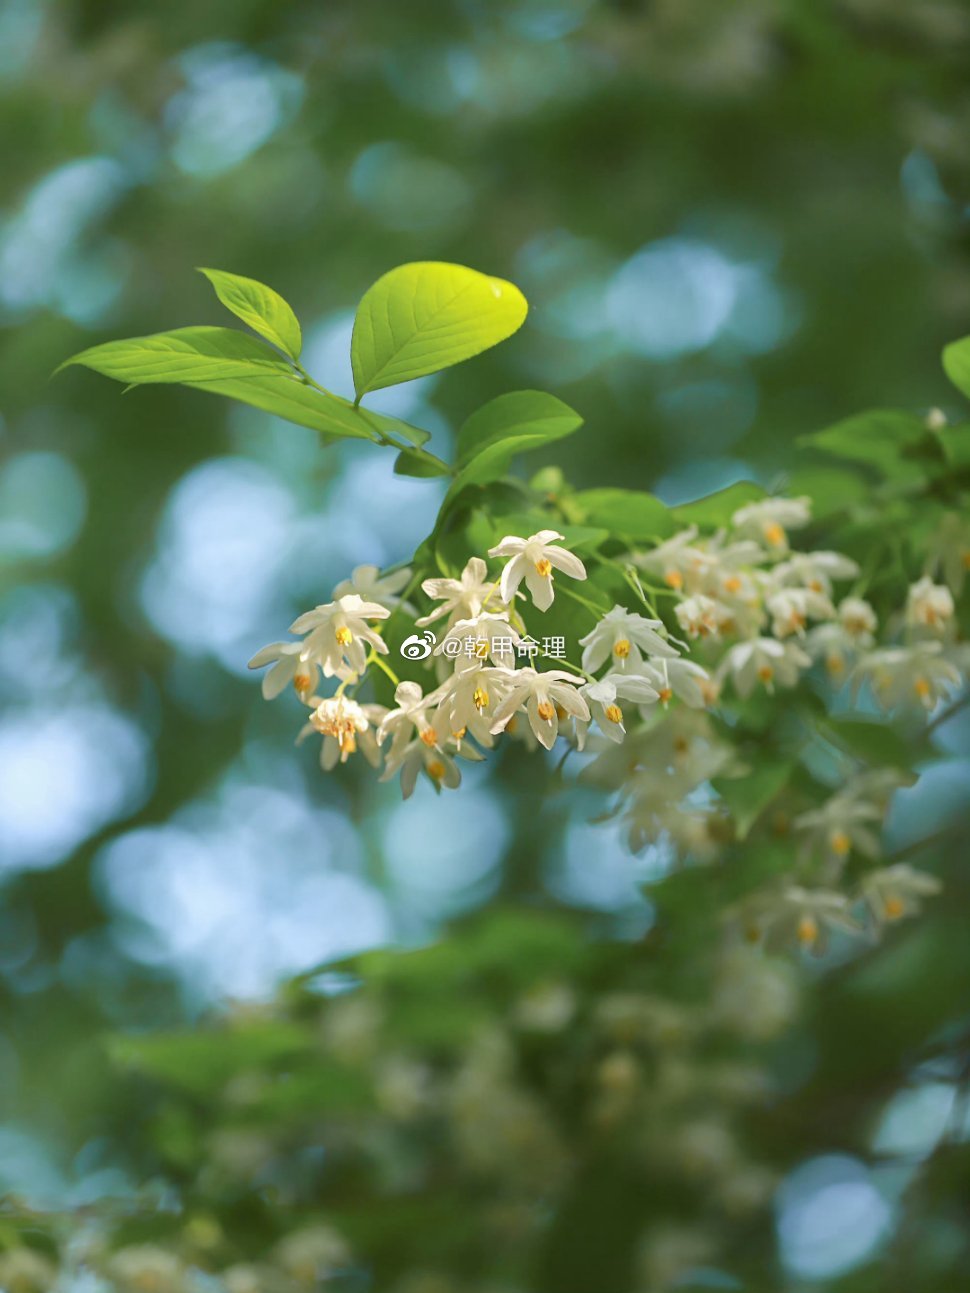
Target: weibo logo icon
418 646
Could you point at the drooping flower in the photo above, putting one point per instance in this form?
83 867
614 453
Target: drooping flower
770 519
462 598
843 823
338 634
909 677
368 582
792 608
288 666
417 756
533 559
412 717
467 702
797 917
765 661
815 571
684 679
346 727
542 695
622 637
896 891
470 644
701 616
929 606
603 698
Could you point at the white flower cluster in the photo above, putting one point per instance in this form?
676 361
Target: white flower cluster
755 616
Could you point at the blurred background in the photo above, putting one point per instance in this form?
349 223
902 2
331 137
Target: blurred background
734 223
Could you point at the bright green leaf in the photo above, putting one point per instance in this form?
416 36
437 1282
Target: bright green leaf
882 438
258 305
956 364
183 355
504 427
428 315
627 513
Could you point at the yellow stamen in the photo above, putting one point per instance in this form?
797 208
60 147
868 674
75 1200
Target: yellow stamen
302 684
766 673
922 688
834 663
893 907
480 698
544 567
436 770
674 579
344 635
840 843
774 533
428 737
511 725
460 734
752 933
481 649
807 931
614 713
732 584
621 649
664 695
546 711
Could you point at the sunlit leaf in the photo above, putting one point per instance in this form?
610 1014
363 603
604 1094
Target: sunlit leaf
628 513
182 355
428 315
259 306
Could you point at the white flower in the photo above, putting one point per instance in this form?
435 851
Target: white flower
542 695
344 725
949 550
895 891
701 616
337 632
417 756
467 701
929 605
684 679
770 519
369 584
462 598
841 825
410 718
621 636
763 660
677 561
289 666
602 698
533 559
473 642
905 677
792 608
814 570
798 917
858 619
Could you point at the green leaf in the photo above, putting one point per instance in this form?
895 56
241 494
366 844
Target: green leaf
504 427
627 513
184 355
956 364
748 796
287 397
717 509
886 439
428 315
258 305
415 462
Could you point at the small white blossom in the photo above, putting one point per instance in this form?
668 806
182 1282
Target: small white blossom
701 616
467 702
533 559
929 606
896 891
288 666
770 519
842 824
908 677
603 699
345 726
815 571
368 582
858 619
764 661
542 696
798 917
462 598
622 637
471 643
337 633
792 608
410 718
684 679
